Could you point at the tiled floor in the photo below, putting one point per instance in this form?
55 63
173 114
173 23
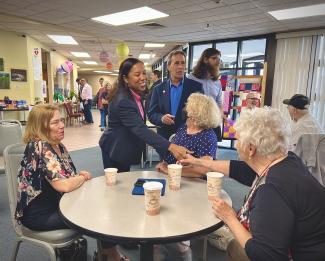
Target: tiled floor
79 136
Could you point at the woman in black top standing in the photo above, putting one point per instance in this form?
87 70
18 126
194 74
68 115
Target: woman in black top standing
124 140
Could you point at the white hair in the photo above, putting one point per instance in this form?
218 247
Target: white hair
265 128
203 110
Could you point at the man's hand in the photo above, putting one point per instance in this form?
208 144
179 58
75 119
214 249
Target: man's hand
168 119
179 152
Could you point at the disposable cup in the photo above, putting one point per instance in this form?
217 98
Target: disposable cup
214 184
174 176
110 174
152 192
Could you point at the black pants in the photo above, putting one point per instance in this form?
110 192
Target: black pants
44 222
109 163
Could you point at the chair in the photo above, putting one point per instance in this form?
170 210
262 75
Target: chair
72 115
311 149
47 239
10 133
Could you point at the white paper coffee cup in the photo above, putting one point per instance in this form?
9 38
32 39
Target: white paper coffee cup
174 176
152 194
110 174
214 184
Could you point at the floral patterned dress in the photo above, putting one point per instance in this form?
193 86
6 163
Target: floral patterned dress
40 165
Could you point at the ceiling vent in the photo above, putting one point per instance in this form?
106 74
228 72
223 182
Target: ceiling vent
152 25
89 41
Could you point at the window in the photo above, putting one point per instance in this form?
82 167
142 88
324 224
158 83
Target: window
228 54
197 51
252 53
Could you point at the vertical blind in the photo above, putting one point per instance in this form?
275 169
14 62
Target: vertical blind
317 90
299 68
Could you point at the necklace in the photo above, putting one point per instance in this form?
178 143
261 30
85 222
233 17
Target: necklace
272 163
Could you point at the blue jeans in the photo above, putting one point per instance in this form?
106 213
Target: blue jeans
102 118
87 111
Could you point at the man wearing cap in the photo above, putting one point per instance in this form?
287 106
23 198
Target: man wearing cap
303 122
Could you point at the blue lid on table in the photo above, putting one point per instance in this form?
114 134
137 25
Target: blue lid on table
138 186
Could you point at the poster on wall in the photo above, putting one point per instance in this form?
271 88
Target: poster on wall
2 67
37 63
4 80
18 75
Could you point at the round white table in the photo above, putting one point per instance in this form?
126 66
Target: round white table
113 213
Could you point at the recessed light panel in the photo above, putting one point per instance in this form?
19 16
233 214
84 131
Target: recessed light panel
299 12
63 39
90 62
154 45
130 16
146 55
103 72
80 54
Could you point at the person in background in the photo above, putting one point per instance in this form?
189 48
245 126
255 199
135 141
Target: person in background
168 98
87 98
206 72
302 121
196 134
100 104
46 173
252 101
277 221
78 89
156 79
123 141
104 97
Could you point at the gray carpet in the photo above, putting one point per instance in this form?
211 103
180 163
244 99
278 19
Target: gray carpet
90 159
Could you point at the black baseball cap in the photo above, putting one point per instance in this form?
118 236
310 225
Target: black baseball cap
298 101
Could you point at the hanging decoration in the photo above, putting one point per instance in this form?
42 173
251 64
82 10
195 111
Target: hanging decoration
109 66
67 66
104 57
122 50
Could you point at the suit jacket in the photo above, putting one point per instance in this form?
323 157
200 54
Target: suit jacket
127 133
160 105
148 98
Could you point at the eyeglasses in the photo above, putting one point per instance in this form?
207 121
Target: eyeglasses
56 122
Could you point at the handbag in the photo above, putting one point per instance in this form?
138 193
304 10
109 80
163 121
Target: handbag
77 251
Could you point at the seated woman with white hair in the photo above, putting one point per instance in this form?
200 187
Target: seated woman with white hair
197 135
283 214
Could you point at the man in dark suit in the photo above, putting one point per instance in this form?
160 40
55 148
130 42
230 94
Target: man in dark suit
168 98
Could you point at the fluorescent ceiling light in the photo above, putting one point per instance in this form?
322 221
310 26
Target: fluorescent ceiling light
115 74
299 12
116 70
63 39
80 54
90 62
154 45
146 55
130 16
146 64
102 72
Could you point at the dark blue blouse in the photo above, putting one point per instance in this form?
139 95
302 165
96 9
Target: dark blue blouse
202 144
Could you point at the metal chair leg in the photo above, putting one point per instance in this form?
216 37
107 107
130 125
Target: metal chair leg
15 250
205 246
100 250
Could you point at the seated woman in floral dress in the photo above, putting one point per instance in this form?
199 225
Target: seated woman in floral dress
46 173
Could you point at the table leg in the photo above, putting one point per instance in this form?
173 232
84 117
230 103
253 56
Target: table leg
146 252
